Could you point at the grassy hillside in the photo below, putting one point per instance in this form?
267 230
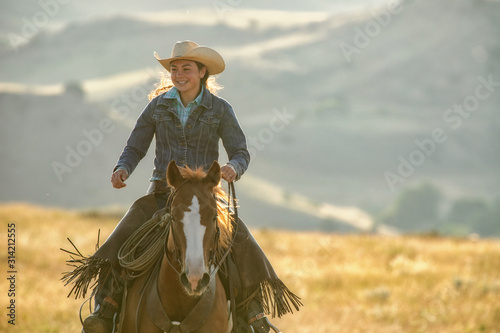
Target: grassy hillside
353 120
355 283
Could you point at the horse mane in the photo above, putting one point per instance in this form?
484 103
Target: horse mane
224 219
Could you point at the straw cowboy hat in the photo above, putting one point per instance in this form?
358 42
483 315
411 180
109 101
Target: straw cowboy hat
189 50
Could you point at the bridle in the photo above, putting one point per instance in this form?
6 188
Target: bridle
212 256
204 305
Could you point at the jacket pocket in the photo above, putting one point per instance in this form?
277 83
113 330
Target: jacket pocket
161 116
210 120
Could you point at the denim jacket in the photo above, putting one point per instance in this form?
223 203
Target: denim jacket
195 145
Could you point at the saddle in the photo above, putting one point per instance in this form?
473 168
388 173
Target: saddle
141 254
249 276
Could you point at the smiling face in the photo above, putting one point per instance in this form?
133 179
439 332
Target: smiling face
186 77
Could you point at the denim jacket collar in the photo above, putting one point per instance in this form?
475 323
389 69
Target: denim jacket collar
206 100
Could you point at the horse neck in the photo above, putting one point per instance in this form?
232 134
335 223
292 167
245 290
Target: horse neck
176 302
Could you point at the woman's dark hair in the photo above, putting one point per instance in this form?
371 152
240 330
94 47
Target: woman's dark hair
207 74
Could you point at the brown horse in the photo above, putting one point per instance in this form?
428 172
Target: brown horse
184 293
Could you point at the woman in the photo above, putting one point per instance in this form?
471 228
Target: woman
187 120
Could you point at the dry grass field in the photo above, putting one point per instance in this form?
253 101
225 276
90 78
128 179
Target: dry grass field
348 283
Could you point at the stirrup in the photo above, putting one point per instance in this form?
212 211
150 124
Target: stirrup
107 310
263 316
114 324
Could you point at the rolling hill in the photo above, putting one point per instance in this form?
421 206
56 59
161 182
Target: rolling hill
353 118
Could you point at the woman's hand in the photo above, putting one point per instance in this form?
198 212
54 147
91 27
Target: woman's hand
118 177
228 173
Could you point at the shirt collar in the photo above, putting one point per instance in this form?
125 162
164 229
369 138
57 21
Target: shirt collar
173 93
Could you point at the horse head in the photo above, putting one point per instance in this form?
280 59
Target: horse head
194 229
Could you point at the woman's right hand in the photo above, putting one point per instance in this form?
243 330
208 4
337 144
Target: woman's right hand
118 178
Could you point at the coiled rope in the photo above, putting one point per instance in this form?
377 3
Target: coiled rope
145 247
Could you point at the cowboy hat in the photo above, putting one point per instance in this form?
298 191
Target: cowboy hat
189 50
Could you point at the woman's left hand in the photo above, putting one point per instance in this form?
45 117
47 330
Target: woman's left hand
228 173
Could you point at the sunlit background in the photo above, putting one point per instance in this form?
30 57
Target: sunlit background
362 116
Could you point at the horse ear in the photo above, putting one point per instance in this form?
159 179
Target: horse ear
174 177
213 175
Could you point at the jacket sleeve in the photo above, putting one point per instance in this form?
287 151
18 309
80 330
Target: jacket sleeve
234 141
139 141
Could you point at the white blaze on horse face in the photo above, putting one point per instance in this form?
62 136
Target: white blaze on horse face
194 232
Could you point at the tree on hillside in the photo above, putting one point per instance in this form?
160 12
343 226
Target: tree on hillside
75 90
474 215
416 209
464 211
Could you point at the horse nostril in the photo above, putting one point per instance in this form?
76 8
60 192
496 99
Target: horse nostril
204 281
184 280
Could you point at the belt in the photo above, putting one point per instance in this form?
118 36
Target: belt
159 186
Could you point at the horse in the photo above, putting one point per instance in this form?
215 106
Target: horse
184 293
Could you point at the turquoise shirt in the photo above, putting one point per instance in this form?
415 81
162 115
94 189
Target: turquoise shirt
183 112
